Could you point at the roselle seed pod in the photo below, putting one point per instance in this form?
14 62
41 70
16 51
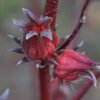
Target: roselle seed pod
38 42
71 64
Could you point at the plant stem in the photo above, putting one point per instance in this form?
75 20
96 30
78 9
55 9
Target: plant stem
84 88
44 84
50 10
80 21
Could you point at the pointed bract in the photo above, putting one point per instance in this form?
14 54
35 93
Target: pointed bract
31 34
97 67
79 45
19 23
5 95
47 33
83 19
37 66
46 21
17 50
24 60
92 77
45 18
16 39
30 15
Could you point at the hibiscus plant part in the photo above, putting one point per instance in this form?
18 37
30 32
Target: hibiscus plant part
41 45
5 94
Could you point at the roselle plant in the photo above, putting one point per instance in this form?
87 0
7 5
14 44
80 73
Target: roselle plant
51 55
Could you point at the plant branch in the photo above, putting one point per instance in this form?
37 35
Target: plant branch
84 88
80 21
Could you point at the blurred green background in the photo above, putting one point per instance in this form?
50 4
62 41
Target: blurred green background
23 79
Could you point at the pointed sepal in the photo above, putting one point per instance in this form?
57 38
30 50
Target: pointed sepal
79 45
19 23
46 21
40 66
30 15
24 60
83 19
5 95
17 50
31 34
16 39
97 67
47 33
92 77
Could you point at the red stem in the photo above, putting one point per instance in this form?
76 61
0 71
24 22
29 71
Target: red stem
50 10
44 84
77 27
84 88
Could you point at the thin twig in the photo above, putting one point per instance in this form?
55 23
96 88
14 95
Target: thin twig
83 89
80 21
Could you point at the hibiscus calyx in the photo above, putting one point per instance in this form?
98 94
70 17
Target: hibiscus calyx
39 41
72 64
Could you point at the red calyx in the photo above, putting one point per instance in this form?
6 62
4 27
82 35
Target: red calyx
39 47
70 64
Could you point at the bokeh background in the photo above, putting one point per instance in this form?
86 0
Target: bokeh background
23 79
